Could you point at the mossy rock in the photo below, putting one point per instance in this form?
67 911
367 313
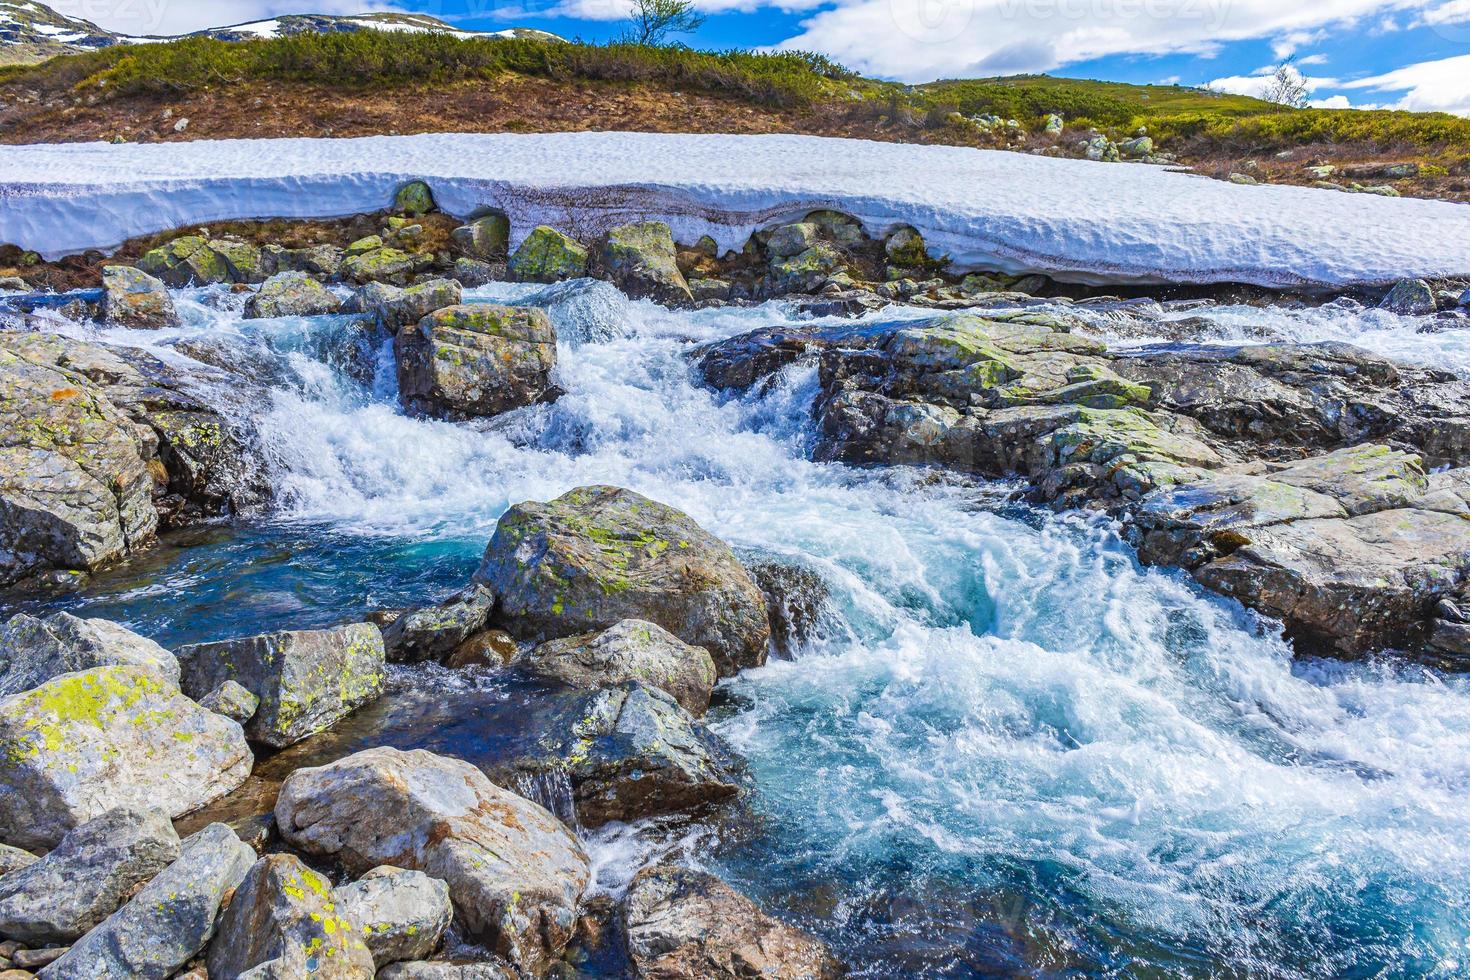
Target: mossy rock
548 256
414 198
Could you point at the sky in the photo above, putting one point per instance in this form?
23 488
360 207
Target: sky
1409 54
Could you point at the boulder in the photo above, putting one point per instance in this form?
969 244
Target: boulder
413 197
548 256
319 260
1410 297
496 970
384 264
233 701
433 632
186 261
640 260
842 229
283 909
169 921
632 650
470 273
403 914
598 555
486 239
88 875
133 298
475 360
404 308
689 925
306 680
790 240
291 294
120 736
906 250
804 272
32 650
515 873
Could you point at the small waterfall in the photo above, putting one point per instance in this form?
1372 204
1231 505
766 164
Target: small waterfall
553 790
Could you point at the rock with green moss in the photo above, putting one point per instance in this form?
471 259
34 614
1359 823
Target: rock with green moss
291 294
486 238
1410 297
598 555
395 308
186 261
515 873
640 260
804 272
548 256
414 197
86 742
633 650
384 264
243 261
133 298
793 239
841 229
306 679
285 910
906 250
475 360
171 918
34 649
319 260
403 914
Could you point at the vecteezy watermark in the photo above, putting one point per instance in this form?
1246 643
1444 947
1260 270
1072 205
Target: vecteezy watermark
938 21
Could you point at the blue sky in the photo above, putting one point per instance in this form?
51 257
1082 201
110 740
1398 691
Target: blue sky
1394 53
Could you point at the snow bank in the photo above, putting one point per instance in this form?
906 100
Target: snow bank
1075 220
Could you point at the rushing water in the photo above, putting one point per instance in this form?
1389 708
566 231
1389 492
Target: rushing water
1010 750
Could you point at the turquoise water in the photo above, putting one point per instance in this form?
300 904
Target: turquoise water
1009 750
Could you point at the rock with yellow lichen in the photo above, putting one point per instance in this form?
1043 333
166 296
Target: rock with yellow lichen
515 873
87 742
285 911
403 914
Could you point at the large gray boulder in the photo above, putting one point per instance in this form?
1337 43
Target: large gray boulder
475 360
284 910
1409 297
121 736
640 260
291 294
86 877
395 308
403 914
515 873
598 555
33 650
632 650
689 925
169 921
133 298
306 679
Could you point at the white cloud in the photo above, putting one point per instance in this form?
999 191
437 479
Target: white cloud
1311 59
1428 86
917 40
181 17
1335 102
1255 84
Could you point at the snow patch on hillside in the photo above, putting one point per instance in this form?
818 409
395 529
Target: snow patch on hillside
1073 219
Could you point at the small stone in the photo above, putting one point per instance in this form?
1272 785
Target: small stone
434 631
13 859
402 914
232 700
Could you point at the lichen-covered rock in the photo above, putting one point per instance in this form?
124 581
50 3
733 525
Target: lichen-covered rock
413 197
120 736
475 360
434 631
470 273
133 298
640 260
1410 297
689 925
548 256
598 555
89 874
515 873
403 914
842 229
486 238
305 679
34 650
186 261
804 272
906 250
632 650
284 910
291 294
171 918
14 858
394 308
319 260
233 701
793 239
495 970
384 264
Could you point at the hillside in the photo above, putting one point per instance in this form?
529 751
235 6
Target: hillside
289 81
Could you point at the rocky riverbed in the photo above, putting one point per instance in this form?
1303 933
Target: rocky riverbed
382 602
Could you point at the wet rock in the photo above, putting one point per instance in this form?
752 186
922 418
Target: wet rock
86 877
639 259
319 260
13 858
32 650
169 921
476 360
1410 297
133 298
709 289
433 632
283 909
486 238
688 925
632 650
470 273
109 737
548 256
515 873
186 261
306 679
291 294
804 272
796 602
488 648
394 308
403 914
233 701
598 555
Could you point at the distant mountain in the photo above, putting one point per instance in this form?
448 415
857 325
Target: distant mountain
31 31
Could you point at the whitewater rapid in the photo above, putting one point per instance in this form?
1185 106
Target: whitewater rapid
1009 749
